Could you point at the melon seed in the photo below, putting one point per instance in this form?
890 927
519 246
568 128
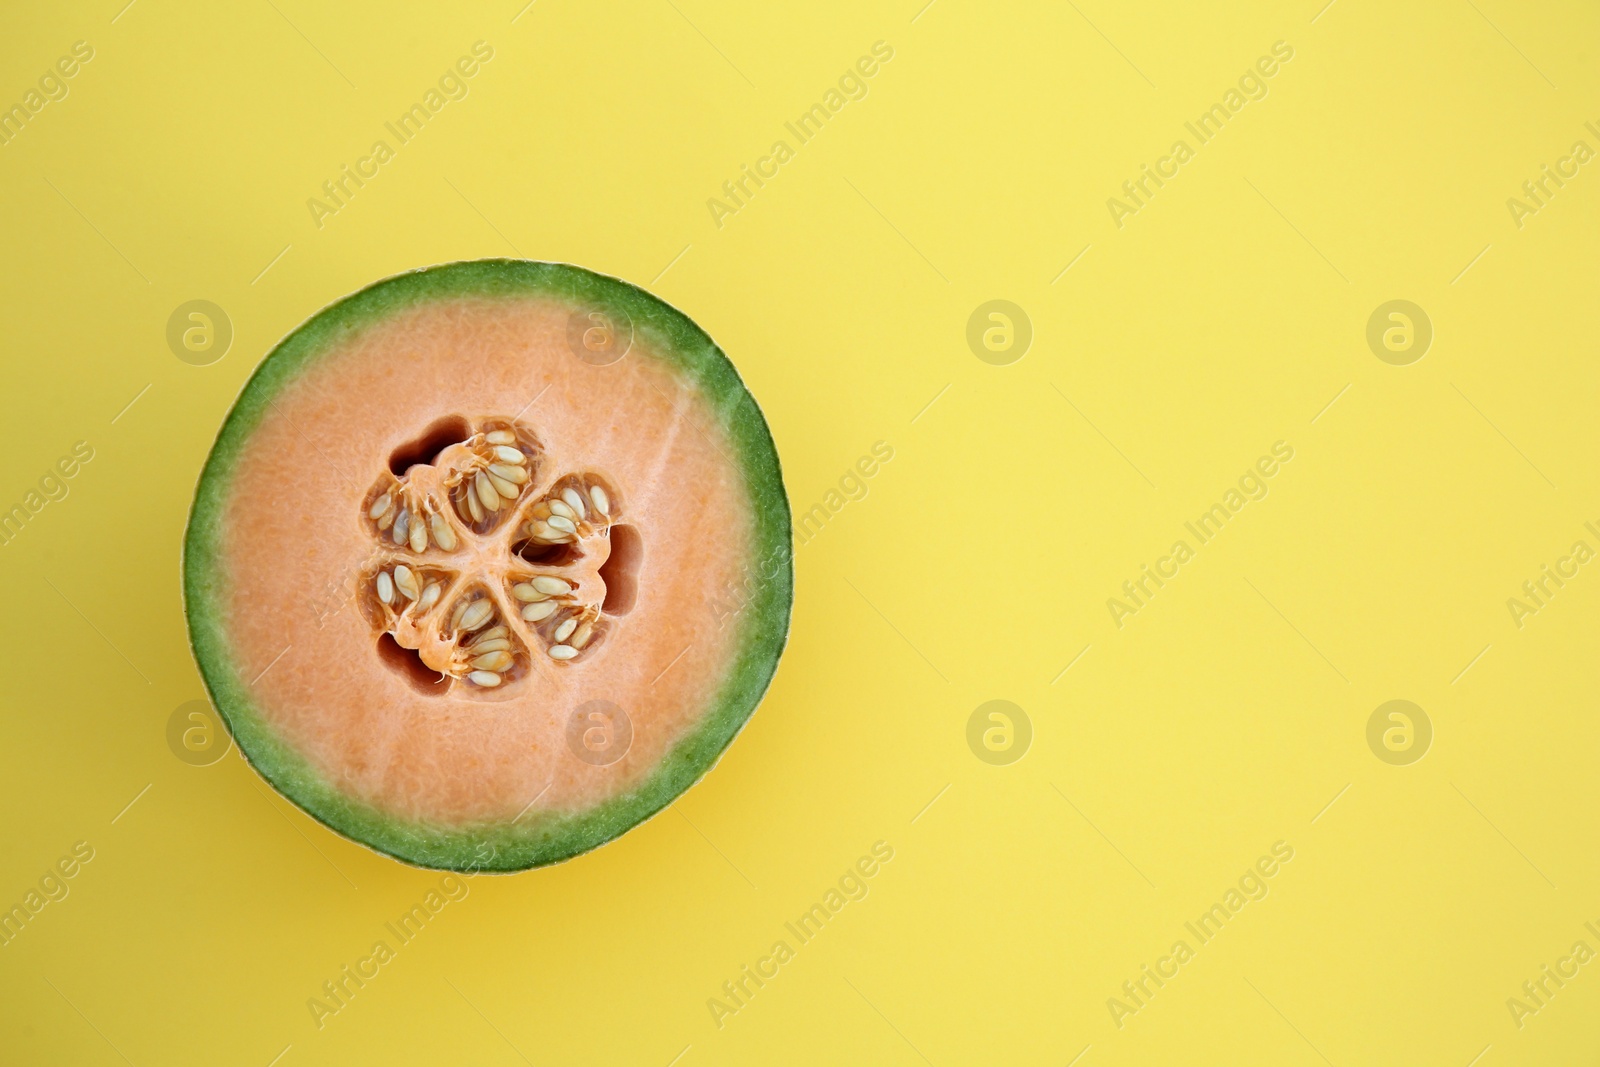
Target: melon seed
486 494
547 584
515 475
430 596
493 661
544 532
536 612
442 533
564 631
562 652
476 614
501 486
574 501
385 587
601 503
406 582
500 437
487 679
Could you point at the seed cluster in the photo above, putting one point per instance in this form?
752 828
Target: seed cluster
492 480
411 521
481 628
404 582
555 519
567 626
482 656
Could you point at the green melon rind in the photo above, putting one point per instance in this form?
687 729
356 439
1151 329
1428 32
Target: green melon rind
762 607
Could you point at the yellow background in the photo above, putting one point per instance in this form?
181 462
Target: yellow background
1226 715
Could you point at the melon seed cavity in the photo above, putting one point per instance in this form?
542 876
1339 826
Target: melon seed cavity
482 569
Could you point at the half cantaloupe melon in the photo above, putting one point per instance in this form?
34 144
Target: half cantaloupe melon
490 562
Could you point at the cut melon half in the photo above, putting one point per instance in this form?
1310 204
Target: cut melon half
489 563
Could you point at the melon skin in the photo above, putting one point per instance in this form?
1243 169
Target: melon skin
764 603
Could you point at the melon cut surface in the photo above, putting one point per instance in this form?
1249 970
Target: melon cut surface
490 561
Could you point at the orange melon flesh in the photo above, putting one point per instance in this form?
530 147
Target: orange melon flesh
280 545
